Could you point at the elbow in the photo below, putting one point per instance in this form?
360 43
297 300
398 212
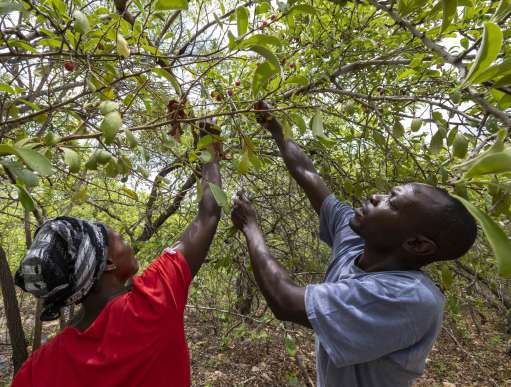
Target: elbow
284 305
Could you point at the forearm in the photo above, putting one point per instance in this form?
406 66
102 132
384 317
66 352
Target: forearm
195 241
210 174
300 166
284 297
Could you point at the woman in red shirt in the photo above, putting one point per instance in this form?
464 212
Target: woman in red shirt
121 337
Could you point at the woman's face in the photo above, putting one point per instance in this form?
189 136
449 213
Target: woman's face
122 255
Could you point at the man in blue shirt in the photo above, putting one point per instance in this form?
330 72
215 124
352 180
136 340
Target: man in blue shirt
376 315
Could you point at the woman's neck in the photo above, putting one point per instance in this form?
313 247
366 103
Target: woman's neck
95 301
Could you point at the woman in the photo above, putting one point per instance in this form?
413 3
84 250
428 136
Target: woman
122 337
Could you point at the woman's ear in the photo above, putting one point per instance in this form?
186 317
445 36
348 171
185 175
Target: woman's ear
110 266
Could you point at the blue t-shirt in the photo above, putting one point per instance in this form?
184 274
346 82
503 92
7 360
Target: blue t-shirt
372 328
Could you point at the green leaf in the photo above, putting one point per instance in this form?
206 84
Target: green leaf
9 6
7 89
35 161
299 122
491 72
503 10
499 242
460 146
504 81
242 14
132 194
449 10
262 75
219 195
26 200
81 22
164 5
6 149
290 346
297 79
72 159
169 77
302 8
491 163
268 54
123 49
446 277
317 124
416 124
260 39
437 141
27 177
490 47
110 125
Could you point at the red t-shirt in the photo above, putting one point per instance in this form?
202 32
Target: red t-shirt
138 339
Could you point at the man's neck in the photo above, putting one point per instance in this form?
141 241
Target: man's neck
371 261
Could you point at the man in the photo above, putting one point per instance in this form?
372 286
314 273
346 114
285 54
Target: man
122 337
376 315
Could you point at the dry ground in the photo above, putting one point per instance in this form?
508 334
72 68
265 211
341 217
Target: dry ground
227 352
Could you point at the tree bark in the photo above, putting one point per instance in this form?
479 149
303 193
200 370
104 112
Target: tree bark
12 313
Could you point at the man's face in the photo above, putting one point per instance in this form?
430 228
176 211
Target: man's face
387 221
122 255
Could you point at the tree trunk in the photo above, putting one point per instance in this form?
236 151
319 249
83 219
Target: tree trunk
12 313
38 325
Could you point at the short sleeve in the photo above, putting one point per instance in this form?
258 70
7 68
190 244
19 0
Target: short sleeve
360 320
164 283
334 223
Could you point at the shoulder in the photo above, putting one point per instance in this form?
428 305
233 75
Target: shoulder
413 290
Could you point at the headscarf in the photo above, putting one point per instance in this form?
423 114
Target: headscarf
65 259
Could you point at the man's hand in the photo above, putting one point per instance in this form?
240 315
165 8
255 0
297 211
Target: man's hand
243 214
208 128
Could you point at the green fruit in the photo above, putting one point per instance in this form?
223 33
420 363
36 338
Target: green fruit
72 159
81 22
460 146
112 168
51 138
110 125
102 156
106 107
123 48
130 139
398 130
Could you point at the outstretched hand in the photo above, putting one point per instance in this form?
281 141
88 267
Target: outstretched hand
265 118
209 128
243 214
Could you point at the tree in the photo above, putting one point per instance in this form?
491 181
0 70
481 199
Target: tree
100 103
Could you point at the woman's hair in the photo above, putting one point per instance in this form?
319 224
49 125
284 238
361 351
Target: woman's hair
65 259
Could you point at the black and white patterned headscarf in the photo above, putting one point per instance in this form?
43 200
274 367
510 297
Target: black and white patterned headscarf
65 259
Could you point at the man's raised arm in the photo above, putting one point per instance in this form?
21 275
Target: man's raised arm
297 162
195 241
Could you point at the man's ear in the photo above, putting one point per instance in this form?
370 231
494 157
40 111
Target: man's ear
420 245
110 266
